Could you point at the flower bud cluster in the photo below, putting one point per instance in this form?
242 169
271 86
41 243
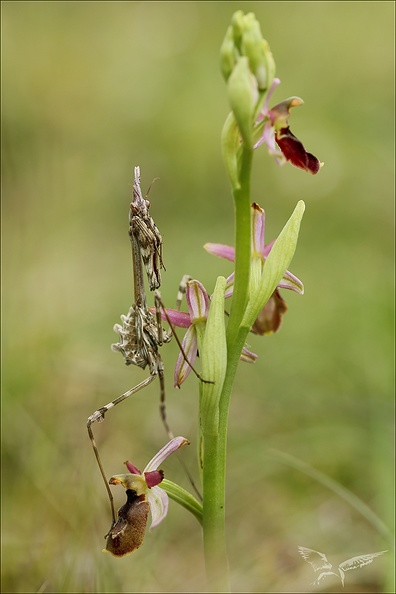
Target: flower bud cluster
244 39
248 67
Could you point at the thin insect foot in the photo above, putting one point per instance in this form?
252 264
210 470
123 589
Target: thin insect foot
96 417
205 381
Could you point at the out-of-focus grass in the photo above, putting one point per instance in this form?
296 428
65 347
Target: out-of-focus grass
89 91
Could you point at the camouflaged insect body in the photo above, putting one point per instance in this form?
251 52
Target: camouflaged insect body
148 238
139 338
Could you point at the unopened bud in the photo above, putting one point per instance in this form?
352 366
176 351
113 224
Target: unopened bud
237 23
243 96
244 38
253 48
228 54
270 63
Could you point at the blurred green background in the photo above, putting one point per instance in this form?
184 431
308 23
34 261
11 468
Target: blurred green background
89 91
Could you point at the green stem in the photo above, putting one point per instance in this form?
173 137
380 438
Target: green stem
242 245
214 473
214 512
213 482
215 443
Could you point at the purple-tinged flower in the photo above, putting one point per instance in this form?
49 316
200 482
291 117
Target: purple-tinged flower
276 130
198 303
198 309
143 495
270 317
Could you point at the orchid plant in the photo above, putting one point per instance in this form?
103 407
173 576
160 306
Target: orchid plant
219 335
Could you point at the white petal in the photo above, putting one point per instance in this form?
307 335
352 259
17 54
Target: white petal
172 445
158 501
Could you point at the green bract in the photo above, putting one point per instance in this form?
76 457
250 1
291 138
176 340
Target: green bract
275 265
214 360
183 498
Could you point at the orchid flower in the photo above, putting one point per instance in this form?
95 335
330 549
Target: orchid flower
270 317
198 302
143 495
276 130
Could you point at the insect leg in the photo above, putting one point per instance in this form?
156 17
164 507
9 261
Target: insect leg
98 416
162 405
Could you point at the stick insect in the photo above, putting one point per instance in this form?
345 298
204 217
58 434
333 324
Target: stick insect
141 333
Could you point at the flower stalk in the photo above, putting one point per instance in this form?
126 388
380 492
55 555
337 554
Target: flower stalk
249 69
